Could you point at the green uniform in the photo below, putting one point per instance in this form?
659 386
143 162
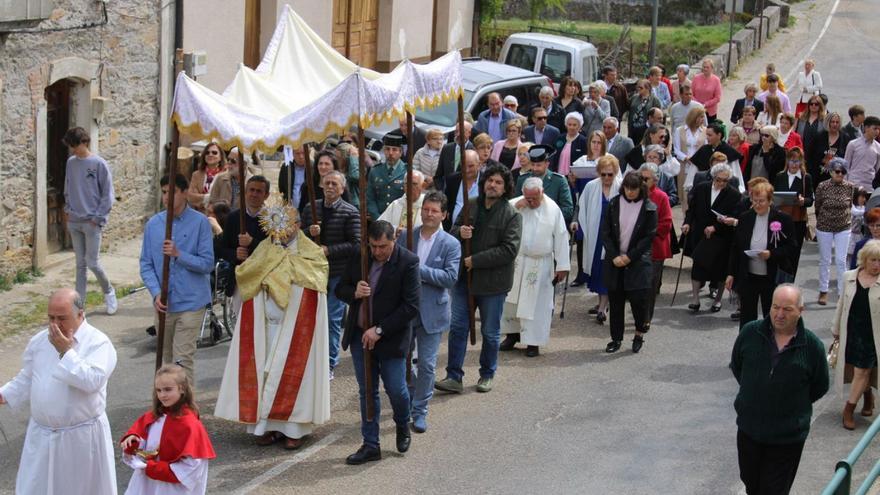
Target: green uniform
385 184
556 188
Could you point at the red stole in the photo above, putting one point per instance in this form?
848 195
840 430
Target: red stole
182 436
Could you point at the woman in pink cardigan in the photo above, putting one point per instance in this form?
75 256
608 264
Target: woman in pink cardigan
504 151
706 87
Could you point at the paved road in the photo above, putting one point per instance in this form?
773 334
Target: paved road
574 420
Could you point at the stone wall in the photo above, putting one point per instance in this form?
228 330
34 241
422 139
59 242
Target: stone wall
124 50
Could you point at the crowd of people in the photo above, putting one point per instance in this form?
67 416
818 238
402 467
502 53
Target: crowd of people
493 229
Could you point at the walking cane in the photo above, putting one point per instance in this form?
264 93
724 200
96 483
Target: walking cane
680 264
565 288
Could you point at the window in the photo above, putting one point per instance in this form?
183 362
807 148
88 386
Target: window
522 56
589 65
555 64
445 115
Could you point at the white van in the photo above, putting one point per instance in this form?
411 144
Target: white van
553 56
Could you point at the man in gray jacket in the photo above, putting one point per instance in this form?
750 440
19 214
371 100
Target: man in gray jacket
88 197
494 231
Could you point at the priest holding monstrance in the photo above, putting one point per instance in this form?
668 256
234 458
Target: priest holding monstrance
277 374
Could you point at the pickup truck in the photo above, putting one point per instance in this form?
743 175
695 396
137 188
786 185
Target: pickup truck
552 56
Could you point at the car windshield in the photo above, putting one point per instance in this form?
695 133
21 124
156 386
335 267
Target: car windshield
444 115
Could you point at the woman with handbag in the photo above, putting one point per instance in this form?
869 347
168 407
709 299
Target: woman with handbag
810 83
708 239
856 326
796 179
762 246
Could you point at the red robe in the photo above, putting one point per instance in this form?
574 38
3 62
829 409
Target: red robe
183 435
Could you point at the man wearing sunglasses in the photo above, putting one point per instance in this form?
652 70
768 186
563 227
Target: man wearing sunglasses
541 132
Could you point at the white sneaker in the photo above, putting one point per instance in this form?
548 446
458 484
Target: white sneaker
111 302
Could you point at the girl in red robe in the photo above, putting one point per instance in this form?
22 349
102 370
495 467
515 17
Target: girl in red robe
168 447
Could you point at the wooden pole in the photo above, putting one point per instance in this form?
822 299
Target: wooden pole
465 211
242 205
409 171
365 269
311 191
169 220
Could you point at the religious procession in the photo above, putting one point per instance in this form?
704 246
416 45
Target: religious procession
430 240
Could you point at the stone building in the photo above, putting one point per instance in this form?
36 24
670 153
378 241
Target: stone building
66 63
107 66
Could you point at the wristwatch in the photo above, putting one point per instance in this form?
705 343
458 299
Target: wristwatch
379 331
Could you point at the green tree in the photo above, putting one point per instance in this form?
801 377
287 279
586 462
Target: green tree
490 9
537 7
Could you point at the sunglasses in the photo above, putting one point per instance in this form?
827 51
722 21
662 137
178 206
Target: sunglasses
839 171
766 135
541 118
645 179
814 103
232 160
213 152
607 174
794 162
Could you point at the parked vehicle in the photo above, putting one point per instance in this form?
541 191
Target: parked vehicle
552 56
479 78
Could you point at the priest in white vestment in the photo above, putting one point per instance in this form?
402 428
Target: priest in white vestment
67 448
277 375
395 214
543 259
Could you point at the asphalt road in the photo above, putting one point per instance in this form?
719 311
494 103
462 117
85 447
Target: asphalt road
574 420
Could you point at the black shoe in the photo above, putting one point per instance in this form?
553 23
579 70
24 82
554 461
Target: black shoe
576 284
612 346
151 331
695 308
594 310
509 342
601 317
364 454
532 351
716 306
403 438
638 342
735 315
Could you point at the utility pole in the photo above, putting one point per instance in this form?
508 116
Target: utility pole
655 12
730 40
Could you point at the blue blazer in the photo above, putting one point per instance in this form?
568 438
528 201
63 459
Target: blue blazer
550 135
438 275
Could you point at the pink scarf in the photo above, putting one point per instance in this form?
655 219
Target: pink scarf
565 159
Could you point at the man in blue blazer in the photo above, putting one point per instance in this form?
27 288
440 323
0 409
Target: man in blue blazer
439 256
492 120
547 133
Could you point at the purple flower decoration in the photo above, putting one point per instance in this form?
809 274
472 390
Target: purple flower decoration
776 233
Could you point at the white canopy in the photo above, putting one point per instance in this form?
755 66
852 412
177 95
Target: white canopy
304 90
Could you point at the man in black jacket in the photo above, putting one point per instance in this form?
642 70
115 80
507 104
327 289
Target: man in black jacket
238 246
338 232
450 156
452 187
391 288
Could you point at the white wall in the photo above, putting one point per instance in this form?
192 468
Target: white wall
402 34
217 28
454 23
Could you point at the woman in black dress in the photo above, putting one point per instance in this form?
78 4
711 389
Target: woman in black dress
796 179
708 238
830 143
571 96
767 158
856 326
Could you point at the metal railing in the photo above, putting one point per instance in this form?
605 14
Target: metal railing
841 483
571 34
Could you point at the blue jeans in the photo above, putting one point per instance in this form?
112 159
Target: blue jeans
335 312
490 327
393 372
428 344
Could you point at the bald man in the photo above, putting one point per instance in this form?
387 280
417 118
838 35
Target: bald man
64 381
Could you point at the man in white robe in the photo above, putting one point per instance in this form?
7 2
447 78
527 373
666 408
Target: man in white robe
395 214
528 308
277 375
64 381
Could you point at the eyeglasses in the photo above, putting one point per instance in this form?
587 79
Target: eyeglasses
720 180
541 118
607 174
794 162
213 152
766 135
814 103
839 171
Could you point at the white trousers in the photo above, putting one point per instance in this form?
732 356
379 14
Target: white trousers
839 241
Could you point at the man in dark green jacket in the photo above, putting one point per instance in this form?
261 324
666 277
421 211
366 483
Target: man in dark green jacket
494 231
781 369
555 185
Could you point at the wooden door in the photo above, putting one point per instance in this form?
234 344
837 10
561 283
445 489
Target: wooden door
58 120
355 28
